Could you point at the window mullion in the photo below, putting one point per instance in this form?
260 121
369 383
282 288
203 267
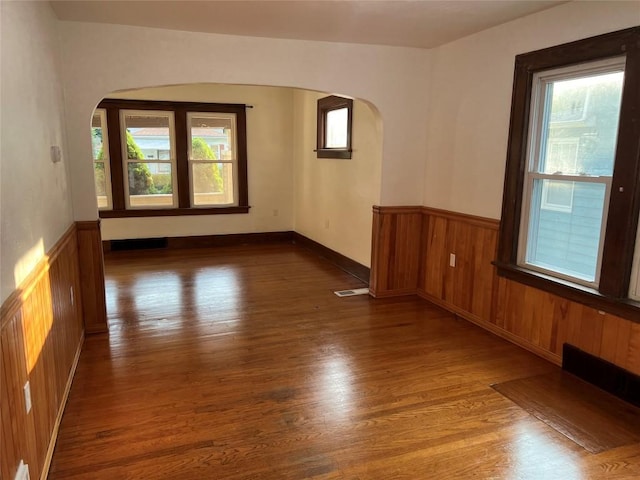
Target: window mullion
182 158
115 158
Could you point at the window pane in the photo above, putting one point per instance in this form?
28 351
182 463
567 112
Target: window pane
96 137
557 195
148 136
100 179
212 136
149 186
580 125
566 237
212 183
336 129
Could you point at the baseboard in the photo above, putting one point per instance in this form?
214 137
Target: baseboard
63 403
344 263
541 352
198 241
403 292
204 241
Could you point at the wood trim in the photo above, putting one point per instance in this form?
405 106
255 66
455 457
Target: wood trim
205 241
624 203
483 222
182 158
395 210
115 159
92 276
63 403
521 342
350 266
171 212
401 292
626 308
243 156
126 104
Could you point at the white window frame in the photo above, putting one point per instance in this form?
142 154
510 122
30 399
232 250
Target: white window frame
233 161
126 161
535 143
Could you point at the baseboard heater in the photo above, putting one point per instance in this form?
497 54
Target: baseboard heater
605 375
138 244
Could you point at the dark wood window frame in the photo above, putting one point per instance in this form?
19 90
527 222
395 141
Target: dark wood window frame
326 105
180 110
624 205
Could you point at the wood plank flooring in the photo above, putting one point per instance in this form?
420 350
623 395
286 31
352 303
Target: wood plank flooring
593 418
241 363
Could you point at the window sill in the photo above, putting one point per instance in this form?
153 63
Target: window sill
622 307
333 153
172 212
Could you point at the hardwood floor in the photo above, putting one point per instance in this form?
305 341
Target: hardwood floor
241 363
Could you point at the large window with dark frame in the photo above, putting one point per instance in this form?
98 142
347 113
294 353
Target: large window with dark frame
572 185
169 158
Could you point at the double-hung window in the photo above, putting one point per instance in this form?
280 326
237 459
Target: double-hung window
149 158
212 165
572 184
570 157
169 158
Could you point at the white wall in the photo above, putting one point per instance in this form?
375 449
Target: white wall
35 203
470 100
333 198
100 59
270 175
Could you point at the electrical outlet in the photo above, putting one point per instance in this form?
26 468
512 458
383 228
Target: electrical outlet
27 396
452 259
23 471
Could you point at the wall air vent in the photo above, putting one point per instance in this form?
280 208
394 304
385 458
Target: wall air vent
605 375
138 244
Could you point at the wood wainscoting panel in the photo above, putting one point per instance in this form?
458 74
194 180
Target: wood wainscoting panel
411 253
395 252
547 321
468 285
41 334
92 276
18 432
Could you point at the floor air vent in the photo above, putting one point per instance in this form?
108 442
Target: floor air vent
351 293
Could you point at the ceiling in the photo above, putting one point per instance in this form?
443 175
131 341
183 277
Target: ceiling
409 23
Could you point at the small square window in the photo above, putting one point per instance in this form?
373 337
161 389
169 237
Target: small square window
334 127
